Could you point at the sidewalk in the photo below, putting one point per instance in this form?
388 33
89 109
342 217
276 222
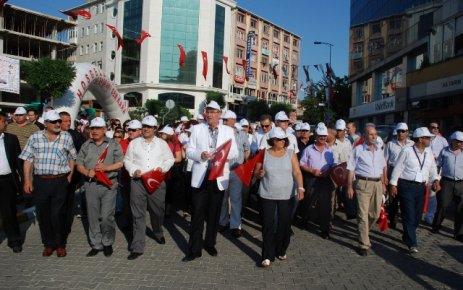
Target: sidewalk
313 263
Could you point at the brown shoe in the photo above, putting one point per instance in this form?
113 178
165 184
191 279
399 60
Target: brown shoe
47 252
61 252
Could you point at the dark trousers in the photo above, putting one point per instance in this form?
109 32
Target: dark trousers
49 197
275 241
319 190
126 213
207 203
8 210
411 207
393 204
70 205
451 191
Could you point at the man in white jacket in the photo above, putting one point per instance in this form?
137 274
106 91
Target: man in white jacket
207 195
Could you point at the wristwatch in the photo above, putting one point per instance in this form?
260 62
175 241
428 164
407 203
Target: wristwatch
301 189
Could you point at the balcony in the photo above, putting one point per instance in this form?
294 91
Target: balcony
356 55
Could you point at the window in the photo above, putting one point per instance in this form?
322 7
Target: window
358 34
375 27
266 29
253 57
100 8
276 34
276 51
295 42
87 48
100 64
285 55
95 29
87 31
101 46
113 54
254 23
239 53
95 46
254 40
264 60
101 27
240 18
264 77
81 52
294 57
395 24
240 34
83 32
358 47
114 12
286 38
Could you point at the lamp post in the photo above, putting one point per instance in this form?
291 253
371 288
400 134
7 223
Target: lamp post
325 43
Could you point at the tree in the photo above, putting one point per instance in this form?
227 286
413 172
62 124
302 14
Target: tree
216 96
50 78
256 109
277 107
156 107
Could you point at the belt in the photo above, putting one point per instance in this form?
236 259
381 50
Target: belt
375 179
49 176
412 181
450 179
5 176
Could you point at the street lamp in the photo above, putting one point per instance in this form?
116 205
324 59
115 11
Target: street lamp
325 43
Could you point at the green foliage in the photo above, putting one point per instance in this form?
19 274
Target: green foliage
138 113
256 109
277 107
216 96
50 78
156 107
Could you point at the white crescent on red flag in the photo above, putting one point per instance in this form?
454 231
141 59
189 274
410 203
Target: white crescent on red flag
219 160
204 56
143 36
120 42
152 180
225 59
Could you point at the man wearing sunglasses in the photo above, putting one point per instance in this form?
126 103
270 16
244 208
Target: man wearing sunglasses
145 154
21 128
391 153
265 128
50 155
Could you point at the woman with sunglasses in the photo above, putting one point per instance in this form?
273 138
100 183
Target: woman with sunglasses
279 167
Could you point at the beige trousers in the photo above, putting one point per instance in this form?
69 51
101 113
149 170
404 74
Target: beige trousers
369 199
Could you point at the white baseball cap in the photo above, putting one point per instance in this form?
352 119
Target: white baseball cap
457 135
98 122
401 126
422 132
244 122
229 115
134 124
20 111
167 130
51 115
281 116
184 119
340 124
305 126
238 126
298 126
278 133
150 121
213 105
321 130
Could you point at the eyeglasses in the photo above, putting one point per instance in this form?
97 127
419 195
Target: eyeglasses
265 126
303 131
434 127
338 130
19 115
401 131
55 121
278 139
118 136
282 120
132 130
426 137
149 127
245 126
96 128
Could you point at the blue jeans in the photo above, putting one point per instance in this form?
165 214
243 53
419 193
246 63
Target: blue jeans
411 206
432 206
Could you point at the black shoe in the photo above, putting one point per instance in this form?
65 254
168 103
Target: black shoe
363 252
435 230
325 235
134 255
211 251
236 233
93 252
221 228
17 249
108 251
191 257
160 241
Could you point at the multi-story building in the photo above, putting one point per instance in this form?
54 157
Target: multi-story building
271 54
405 61
151 70
28 35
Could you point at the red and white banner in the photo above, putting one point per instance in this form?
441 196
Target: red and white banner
120 42
219 160
204 56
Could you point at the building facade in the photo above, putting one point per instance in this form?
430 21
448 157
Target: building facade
404 61
27 35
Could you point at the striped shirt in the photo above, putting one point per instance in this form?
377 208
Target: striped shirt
23 133
49 158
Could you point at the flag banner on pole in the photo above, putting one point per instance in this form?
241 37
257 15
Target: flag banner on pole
225 60
204 56
143 36
181 58
245 170
219 160
120 43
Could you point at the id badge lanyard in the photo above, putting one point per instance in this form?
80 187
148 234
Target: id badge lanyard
419 160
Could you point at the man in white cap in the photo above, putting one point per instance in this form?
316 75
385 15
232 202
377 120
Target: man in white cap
207 195
146 154
200 118
230 214
367 165
304 138
315 162
342 149
21 128
391 153
451 162
134 130
282 121
50 155
414 167
265 125
245 127
100 197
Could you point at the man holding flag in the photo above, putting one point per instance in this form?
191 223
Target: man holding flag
98 161
210 146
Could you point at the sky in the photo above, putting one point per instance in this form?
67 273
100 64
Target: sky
319 20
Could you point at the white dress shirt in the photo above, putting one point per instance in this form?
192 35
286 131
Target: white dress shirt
145 156
437 144
4 165
393 148
408 166
342 150
366 162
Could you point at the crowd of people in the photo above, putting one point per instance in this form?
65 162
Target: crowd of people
293 178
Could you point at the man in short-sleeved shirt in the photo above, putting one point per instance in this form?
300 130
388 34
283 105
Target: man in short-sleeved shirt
21 127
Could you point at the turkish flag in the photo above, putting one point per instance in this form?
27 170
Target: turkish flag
144 35
152 179
181 59
101 176
426 199
358 141
339 174
85 14
219 160
245 63
225 59
382 220
245 170
120 43
204 54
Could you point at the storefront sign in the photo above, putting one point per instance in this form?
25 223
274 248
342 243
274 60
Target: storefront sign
373 108
440 86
